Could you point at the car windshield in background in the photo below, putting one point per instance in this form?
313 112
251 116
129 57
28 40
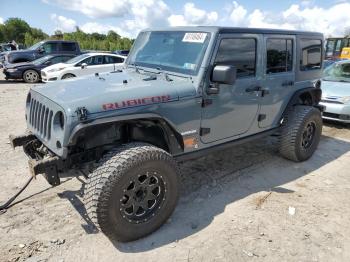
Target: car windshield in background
337 72
77 59
42 60
171 51
34 47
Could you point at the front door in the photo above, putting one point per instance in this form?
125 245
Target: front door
233 110
279 77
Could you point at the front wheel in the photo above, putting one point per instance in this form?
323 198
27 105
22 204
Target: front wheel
31 76
66 76
133 191
301 133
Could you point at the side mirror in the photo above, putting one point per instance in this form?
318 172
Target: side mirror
48 62
41 50
224 74
83 65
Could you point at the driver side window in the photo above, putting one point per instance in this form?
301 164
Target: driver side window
49 47
239 52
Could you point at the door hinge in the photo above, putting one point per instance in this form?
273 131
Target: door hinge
204 131
207 102
261 117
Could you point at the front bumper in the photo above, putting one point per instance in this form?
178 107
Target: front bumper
48 166
12 75
336 112
50 77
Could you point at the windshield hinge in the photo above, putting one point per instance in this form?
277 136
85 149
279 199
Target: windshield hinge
82 113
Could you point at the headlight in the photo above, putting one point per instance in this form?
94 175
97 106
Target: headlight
55 69
344 99
11 70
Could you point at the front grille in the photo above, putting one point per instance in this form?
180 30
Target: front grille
331 115
40 118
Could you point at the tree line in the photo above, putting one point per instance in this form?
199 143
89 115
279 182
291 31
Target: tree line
20 31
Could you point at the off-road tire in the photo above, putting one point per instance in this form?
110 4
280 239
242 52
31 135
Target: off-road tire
66 76
31 76
106 186
292 139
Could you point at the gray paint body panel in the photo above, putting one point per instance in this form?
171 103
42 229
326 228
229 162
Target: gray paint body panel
232 115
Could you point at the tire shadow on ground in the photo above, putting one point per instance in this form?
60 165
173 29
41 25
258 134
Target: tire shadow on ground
211 183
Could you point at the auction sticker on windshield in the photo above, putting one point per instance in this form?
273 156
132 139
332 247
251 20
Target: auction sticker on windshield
194 37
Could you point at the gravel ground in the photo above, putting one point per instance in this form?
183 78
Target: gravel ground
236 205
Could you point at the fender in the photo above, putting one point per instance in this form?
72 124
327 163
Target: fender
173 137
313 93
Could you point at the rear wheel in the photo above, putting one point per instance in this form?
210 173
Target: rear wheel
66 76
133 191
301 133
31 76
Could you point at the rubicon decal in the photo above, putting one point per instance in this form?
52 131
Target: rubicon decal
137 102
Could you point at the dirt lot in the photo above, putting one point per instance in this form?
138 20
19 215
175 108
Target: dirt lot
234 206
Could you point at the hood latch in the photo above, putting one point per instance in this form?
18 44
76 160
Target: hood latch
82 113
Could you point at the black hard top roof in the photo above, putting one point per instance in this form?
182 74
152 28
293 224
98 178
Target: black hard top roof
245 30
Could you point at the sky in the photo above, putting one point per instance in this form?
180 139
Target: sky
128 17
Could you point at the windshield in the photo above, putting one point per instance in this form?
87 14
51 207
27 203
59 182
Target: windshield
171 51
77 59
42 60
34 47
338 72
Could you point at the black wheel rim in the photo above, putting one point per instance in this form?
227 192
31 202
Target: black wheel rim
308 135
142 197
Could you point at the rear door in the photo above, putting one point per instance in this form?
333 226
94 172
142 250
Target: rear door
279 76
234 109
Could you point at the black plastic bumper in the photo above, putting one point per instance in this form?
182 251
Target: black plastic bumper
47 166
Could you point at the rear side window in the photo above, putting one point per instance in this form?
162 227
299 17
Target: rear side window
311 54
68 47
279 55
113 60
239 52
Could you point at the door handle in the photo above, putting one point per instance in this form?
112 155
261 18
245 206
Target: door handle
253 89
288 83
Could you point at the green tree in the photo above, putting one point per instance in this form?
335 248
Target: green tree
15 29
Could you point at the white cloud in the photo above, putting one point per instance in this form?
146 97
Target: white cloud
93 8
193 16
63 23
238 14
1 20
93 27
135 15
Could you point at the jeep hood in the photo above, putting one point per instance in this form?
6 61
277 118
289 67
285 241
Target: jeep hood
115 91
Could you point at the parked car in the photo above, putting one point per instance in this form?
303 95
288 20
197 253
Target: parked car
30 71
336 92
184 93
122 52
41 49
84 64
7 47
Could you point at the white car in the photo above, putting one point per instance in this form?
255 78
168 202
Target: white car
82 65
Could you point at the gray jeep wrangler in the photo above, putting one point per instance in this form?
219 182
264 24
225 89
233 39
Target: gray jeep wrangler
184 93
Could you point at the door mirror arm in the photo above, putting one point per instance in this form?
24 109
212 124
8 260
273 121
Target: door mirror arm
213 89
83 65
